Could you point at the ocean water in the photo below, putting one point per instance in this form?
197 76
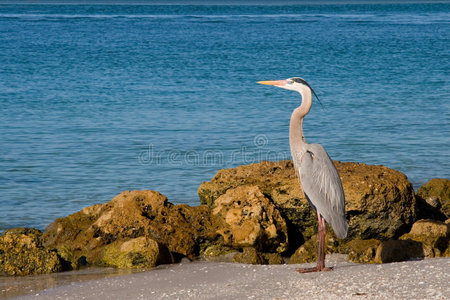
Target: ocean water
98 99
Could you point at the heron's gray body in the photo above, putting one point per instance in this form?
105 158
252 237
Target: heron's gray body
323 187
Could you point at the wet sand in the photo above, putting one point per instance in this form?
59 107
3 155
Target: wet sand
421 279
11 287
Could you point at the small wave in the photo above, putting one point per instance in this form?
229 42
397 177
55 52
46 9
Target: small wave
300 21
81 16
217 18
170 16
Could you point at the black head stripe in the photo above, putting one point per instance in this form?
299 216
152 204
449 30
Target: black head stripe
303 81
300 80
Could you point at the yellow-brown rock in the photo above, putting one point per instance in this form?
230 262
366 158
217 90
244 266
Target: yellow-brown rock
361 251
307 252
22 253
250 255
141 252
272 258
380 202
90 233
249 219
214 251
434 236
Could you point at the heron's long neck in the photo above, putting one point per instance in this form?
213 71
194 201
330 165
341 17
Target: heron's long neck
297 140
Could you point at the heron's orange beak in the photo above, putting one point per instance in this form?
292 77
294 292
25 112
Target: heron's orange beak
273 82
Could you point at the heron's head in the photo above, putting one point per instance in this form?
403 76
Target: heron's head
294 84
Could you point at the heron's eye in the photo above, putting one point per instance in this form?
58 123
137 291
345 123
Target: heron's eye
291 81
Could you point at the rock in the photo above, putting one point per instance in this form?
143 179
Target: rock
22 253
380 202
398 250
141 252
361 251
250 220
250 255
272 258
434 202
434 236
216 251
437 191
90 234
308 251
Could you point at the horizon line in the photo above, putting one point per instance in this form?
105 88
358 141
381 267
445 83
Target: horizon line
220 2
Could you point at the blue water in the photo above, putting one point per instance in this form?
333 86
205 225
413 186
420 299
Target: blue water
100 99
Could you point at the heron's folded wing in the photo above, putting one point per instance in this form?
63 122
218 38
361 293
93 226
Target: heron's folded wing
322 185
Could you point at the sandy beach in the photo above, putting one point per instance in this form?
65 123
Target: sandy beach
421 279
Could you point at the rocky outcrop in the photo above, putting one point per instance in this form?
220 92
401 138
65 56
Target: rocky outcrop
22 253
112 234
141 229
255 214
249 219
380 202
436 196
432 234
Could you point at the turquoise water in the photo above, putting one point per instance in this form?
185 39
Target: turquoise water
100 99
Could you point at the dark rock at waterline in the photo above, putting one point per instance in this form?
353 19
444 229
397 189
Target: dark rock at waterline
398 250
22 253
380 202
434 236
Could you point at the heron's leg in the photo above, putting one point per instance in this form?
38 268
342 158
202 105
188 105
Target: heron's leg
321 248
322 244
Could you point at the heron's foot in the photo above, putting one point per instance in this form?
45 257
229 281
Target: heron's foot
314 269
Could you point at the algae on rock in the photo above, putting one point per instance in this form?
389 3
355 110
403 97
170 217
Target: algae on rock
141 252
22 253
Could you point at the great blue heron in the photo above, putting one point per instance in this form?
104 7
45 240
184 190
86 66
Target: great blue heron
318 176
